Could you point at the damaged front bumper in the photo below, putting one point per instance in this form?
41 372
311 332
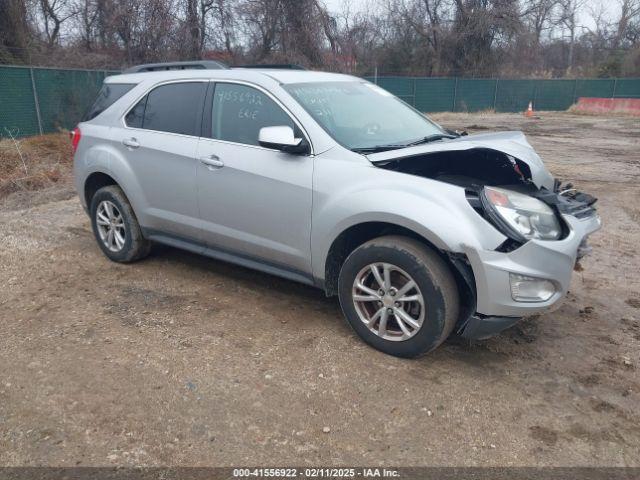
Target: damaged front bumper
553 261
479 327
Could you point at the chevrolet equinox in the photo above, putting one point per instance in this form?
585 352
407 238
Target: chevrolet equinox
330 180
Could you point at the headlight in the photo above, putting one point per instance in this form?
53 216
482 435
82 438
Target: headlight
522 217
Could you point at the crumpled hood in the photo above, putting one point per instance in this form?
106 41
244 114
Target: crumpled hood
511 143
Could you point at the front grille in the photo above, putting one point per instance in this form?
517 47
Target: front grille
577 204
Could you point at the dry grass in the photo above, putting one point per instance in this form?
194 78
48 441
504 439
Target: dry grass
448 116
33 163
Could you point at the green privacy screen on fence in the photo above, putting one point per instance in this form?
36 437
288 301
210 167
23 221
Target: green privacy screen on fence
34 100
17 104
503 95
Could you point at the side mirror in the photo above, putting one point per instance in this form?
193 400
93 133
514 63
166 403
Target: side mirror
282 138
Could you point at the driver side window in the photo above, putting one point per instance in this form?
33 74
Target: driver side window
240 111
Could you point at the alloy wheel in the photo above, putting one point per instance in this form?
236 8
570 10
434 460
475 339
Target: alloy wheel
388 301
111 226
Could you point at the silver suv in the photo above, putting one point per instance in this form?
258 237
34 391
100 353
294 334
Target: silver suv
329 180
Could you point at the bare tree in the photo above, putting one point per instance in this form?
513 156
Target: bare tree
430 20
54 14
87 14
354 36
569 18
538 15
195 34
419 37
278 29
628 19
261 23
14 30
477 25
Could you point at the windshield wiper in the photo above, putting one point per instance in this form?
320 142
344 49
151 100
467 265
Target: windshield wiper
430 138
377 148
395 146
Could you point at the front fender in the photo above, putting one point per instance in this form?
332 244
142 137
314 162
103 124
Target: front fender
436 211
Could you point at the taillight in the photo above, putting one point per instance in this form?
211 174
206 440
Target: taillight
75 135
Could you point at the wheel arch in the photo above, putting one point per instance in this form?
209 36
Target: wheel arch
102 165
355 235
94 182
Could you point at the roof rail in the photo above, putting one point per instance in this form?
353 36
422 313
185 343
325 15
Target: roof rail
192 65
278 66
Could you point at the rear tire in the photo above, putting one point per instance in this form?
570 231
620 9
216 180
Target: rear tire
416 306
116 227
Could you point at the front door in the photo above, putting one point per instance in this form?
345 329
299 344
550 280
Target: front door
254 202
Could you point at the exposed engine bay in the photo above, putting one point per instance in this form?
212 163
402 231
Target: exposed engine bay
466 168
477 168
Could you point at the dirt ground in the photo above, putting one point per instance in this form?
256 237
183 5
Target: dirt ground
182 360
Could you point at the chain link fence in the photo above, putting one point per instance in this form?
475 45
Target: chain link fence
43 100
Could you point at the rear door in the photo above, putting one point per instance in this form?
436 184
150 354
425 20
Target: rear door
159 138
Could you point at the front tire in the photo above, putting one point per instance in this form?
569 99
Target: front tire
399 296
116 227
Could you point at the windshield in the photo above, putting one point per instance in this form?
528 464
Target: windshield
361 115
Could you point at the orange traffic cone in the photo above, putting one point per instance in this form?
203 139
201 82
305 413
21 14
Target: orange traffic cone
529 111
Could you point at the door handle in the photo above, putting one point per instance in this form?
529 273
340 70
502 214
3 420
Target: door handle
212 162
130 142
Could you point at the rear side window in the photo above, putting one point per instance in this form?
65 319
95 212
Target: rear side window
136 114
174 108
107 96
